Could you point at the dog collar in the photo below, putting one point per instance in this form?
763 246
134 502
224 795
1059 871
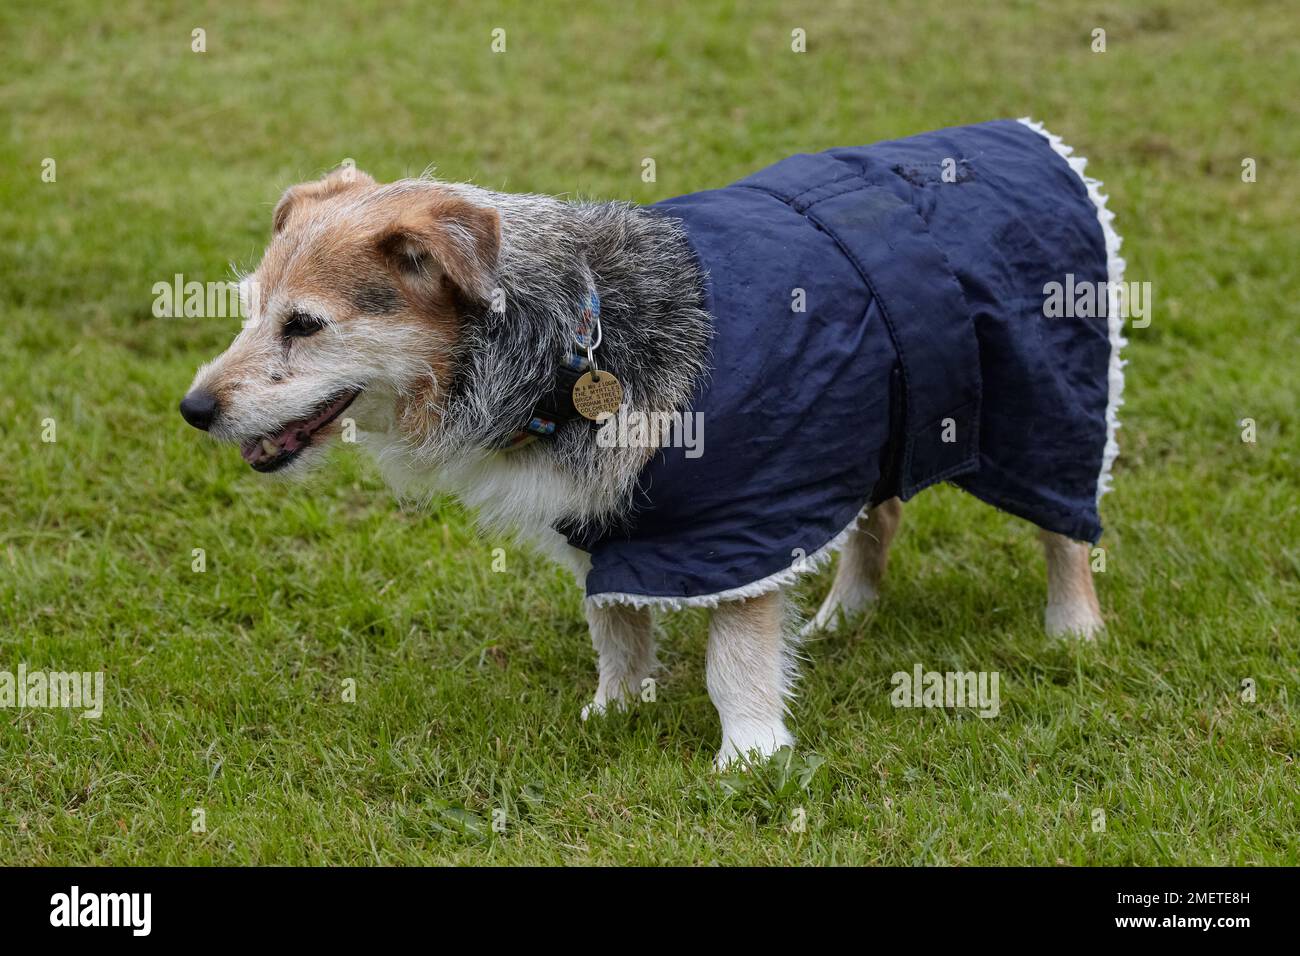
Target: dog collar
556 406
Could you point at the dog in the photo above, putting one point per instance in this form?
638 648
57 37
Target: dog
850 326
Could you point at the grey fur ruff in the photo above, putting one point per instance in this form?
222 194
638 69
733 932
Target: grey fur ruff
656 334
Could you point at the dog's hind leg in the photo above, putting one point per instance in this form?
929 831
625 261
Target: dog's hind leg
1072 607
862 565
625 649
750 671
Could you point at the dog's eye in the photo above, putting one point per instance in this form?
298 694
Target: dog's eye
300 325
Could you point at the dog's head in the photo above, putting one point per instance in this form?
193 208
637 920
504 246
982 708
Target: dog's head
356 307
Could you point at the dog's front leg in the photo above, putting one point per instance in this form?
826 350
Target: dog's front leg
625 649
749 676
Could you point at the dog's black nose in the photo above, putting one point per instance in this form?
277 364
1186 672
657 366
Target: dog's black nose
199 408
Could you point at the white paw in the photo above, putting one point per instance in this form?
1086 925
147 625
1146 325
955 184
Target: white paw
839 607
1077 620
598 707
751 746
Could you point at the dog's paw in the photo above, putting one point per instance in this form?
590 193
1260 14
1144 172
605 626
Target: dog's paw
1078 621
741 750
599 708
841 605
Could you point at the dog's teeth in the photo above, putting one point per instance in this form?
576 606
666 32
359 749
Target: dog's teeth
269 447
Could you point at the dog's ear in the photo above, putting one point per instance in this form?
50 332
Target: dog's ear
445 238
337 181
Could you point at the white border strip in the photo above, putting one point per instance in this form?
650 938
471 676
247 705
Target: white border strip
752 590
1114 315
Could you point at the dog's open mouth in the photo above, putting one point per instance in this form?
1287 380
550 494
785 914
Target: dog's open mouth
273 451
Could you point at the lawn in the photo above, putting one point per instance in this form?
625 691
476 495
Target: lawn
227 690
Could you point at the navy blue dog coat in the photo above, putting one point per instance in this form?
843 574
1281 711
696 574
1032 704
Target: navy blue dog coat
879 326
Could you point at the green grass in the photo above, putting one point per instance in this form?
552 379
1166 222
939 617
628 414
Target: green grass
224 687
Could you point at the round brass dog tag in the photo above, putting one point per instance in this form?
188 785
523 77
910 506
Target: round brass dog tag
597 396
